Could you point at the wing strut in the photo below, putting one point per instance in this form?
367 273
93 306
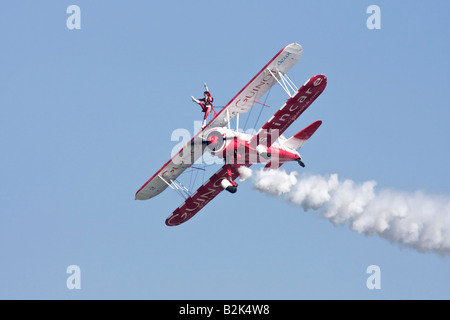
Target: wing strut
285 82
228 118
178 187
288 82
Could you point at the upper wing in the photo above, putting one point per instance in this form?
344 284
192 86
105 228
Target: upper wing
260 84
289 112
208 191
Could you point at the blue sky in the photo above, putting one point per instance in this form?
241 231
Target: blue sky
87 115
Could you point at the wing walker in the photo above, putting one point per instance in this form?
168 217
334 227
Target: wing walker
239 149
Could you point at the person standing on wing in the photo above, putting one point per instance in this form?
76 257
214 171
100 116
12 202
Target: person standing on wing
205 103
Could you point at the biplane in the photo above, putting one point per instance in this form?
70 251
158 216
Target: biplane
238 149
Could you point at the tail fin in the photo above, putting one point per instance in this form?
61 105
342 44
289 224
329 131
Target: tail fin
299 139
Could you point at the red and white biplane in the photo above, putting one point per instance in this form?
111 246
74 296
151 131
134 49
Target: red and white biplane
238 149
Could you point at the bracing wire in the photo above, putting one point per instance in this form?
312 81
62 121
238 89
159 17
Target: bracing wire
246 120
260 111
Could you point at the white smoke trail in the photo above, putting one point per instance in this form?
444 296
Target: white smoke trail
416 219
245 173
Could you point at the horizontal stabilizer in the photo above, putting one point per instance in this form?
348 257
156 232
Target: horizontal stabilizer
299 139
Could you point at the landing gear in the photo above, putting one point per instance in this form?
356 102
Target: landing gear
231 189
228 183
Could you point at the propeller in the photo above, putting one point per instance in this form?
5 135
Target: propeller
215 140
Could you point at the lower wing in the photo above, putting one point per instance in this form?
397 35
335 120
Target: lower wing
208 191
